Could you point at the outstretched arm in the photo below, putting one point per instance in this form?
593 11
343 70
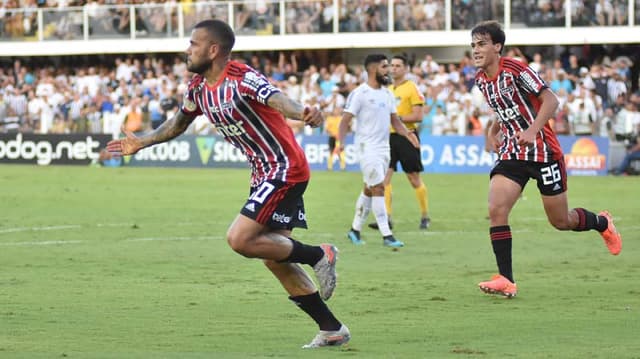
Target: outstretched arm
167 131
294 109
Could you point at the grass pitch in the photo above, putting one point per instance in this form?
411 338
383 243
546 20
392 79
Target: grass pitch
132 263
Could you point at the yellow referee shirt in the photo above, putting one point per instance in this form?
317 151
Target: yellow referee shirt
407 95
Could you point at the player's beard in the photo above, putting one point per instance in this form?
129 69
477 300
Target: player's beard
198 68
383 80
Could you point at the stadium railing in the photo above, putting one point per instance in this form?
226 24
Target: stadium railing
285 24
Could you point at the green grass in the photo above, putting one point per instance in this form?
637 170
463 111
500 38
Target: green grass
132 263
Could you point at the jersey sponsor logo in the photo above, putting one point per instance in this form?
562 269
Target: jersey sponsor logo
530 81
509 113
231 130
556 187
251 207
252 80
281 218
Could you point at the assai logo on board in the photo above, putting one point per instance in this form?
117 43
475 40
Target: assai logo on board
585 156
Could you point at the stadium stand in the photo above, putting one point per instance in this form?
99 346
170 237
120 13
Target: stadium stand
598 85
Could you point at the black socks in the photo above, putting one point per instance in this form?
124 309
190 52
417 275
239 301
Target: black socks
501 242
303 253
588 220
317 310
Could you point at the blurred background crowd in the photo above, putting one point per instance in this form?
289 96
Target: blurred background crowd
97 95
597 85
63 19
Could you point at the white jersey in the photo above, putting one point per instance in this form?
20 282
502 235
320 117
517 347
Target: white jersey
372 109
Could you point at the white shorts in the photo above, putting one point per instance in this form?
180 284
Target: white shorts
374 166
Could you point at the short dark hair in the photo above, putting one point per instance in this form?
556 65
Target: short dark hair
491 28
373 59
220 33
401 58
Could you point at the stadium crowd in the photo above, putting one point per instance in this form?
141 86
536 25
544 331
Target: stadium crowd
141 92
63 19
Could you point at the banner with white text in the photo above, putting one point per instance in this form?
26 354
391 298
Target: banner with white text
43 150
440 154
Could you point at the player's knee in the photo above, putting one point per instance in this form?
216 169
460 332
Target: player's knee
498 212
560 223
238 242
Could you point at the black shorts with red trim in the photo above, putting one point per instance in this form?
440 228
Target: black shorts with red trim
551 177
403 151
277 204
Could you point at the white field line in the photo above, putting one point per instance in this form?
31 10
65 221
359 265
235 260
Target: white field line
47 228
145 239
198 238
299 233
40 243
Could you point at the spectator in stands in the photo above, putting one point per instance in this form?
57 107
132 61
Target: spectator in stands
18 105
581 120
626 121
440 122
573 70
133 120
561 82
402 12
3 111
429 66
633 154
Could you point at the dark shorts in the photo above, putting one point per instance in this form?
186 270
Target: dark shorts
403 151
551 177
332 144
277 205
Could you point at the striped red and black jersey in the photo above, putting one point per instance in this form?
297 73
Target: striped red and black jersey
513 96
237 106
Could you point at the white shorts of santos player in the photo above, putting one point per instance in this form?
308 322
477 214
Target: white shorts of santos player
374 163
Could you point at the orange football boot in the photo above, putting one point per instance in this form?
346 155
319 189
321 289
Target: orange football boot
611 237
499 284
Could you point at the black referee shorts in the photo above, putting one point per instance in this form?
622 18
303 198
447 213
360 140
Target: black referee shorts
403 151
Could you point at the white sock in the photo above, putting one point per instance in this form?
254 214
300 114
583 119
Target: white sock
363 207
380 211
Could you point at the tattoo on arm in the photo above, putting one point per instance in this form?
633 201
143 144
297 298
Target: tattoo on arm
288 107
170 129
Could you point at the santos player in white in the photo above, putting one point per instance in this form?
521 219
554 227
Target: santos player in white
373 104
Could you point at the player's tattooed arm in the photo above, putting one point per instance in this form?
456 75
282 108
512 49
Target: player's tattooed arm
169 130
131 143
288 107
311 116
